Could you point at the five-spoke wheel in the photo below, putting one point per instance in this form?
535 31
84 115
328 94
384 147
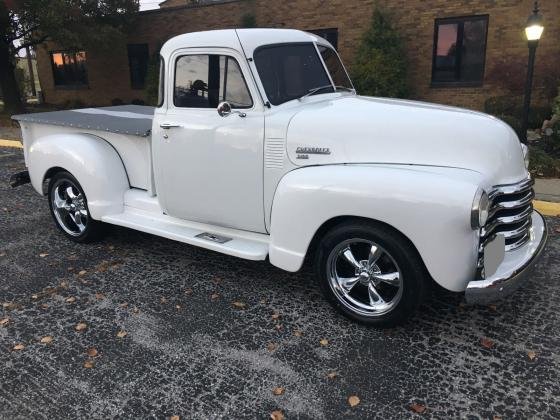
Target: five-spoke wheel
69 208
370 272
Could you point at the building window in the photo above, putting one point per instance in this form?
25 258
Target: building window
138 59
203 81
69 68
330 35
459 51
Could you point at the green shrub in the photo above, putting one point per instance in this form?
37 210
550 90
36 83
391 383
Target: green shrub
248 20
513 122
556 105
73 104
502 105
512 106
152 81
541 164
380 68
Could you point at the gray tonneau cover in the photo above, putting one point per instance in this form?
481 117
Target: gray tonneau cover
125 119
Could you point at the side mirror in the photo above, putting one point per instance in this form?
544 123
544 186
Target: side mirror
224 110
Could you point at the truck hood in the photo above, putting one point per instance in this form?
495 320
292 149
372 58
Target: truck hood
357 129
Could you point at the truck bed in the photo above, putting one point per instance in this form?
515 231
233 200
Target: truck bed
135 120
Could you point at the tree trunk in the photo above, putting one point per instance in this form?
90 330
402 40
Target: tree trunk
10 90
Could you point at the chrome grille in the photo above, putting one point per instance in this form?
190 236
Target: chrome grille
510 214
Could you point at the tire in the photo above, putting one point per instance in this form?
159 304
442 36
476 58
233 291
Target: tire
381 259
69 209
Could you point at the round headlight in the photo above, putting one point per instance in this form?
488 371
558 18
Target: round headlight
525 151
480 209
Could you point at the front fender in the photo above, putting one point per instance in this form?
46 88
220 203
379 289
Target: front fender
93 161
432 210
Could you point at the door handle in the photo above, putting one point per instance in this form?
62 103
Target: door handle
167 126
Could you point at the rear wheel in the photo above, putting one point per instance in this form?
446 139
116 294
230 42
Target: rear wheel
370 273
68 205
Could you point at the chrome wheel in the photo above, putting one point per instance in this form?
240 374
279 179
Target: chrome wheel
69 207
364 277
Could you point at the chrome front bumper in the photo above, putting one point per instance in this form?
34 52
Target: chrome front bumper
515 269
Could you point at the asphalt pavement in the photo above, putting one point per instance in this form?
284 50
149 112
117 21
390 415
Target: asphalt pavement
138 326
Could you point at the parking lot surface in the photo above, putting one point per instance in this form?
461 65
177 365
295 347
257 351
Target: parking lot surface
139 326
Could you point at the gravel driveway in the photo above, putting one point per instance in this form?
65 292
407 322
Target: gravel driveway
173 330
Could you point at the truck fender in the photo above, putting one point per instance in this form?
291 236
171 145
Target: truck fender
94 163
431 210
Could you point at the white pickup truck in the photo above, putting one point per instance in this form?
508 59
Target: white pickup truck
260 148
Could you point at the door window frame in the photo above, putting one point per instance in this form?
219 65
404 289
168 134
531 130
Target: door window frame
241 61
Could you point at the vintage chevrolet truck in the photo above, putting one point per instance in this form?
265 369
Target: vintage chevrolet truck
259 147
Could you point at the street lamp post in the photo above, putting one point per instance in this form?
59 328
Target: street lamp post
533 30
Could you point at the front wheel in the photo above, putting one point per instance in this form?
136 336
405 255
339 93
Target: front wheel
370 273
69 209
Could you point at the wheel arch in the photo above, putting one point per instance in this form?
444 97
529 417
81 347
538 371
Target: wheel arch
430 209
90 159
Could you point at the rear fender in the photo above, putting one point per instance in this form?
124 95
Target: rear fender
91 160
432 210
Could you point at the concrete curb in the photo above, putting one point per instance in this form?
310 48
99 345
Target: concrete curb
11 143
547 208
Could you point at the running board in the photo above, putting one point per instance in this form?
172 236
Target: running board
242 244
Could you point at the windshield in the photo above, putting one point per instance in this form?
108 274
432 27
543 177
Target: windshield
290 71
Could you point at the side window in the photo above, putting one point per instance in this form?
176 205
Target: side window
203 81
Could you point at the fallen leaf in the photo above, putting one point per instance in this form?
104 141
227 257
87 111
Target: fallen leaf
275 315
122 334
177 307
4 321
324 342
239 305
214 296
277 415
493 308
44 306
43 255
111 247
18 347
163 300
92 352
64 284
531 355
486 343
174 418
35 296
278 390
81 326
46 339
2 254
298 333
88 364
353 400
82 273
278 327
495 417
417 408
70 299
135 310
262 301
188 291
271 346
99 296
70 269
123 305
332 375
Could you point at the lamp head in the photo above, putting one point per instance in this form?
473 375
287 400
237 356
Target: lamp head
534 27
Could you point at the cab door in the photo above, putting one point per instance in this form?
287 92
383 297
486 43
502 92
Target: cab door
209 167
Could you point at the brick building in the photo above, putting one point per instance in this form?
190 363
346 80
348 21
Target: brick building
492 29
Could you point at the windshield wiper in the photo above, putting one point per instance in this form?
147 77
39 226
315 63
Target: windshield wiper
318 89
